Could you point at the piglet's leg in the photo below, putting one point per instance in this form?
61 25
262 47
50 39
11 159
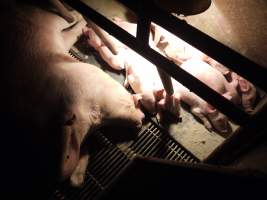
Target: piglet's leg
168 102
77 177
173 104
218 120
218 66
115 61
156 34
92 38
199 113
149 102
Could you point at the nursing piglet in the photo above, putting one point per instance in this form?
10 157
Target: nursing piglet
141 74
209 115
143 78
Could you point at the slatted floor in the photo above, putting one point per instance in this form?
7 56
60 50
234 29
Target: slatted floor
153 142
110 159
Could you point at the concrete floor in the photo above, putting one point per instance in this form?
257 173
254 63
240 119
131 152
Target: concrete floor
190 133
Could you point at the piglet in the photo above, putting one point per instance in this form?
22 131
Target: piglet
179 51
144 79
172 46
209 115
246 89
141 75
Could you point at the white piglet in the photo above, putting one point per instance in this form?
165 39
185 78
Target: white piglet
144 80
210 116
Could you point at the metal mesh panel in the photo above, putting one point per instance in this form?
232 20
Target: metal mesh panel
153 142
110 159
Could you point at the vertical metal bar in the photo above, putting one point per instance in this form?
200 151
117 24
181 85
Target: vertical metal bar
143 23
142 35
166 81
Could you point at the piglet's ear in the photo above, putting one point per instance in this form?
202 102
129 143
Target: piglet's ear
210 108
137 98
157 35
70 149
159 94
243 85
227 96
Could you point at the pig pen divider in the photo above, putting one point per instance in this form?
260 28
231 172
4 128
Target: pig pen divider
252 126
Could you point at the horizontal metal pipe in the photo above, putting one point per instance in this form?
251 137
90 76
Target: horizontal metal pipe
142 35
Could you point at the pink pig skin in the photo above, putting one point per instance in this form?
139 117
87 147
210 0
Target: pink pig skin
145 81
61 99
179 51
210 116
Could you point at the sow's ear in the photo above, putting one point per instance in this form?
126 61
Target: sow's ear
70 144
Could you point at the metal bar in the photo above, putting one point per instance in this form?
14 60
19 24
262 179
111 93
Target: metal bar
166 81
230 58
201 89
143 23
142 35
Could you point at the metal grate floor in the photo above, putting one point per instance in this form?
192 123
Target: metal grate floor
110 159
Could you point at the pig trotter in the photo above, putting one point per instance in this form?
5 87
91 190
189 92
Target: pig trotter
77 177
218 120
198 113
168 102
